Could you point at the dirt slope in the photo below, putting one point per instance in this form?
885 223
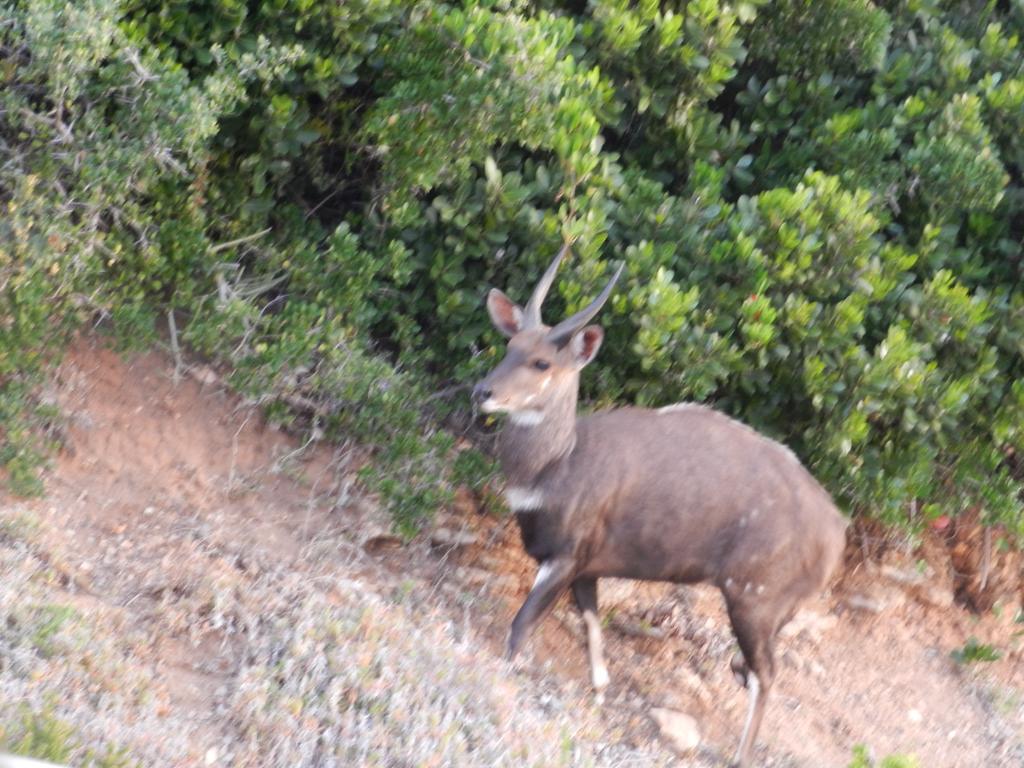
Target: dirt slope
227 599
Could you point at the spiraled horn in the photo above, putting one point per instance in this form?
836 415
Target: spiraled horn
562 332
531 315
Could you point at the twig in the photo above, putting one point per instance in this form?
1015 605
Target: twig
443 393
319 205
238 241
175 350
986 557
66 136
144 74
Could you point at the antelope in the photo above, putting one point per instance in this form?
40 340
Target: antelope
680 494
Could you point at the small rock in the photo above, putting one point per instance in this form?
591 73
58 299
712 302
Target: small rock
877 600
471 575
446 537
491 562
694 684
905 576
816 669
811 624
934 595
467 574
381 542
637 629
678 729
915 716
861 602
211 756
204 375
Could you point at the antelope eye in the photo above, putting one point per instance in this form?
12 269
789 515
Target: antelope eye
541 365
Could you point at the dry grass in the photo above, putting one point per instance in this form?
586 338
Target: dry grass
71 671
357 679
326 671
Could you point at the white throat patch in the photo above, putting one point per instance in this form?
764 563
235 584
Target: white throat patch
526 418
523 499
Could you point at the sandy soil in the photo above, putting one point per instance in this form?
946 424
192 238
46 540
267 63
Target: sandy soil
170 495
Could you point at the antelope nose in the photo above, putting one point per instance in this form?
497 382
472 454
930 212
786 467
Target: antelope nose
482 392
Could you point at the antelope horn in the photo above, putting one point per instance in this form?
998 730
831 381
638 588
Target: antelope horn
562 332
531 315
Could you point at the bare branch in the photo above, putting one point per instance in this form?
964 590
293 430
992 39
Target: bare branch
232 243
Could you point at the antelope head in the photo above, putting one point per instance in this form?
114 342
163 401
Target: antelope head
542 363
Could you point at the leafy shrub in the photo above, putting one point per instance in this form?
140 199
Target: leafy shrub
822 230
120 204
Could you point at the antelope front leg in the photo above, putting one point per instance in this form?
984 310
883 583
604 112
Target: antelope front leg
552 577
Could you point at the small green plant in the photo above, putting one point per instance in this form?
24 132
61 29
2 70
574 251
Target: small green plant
974 651
49 622
39 734
18 525
43 735
862 759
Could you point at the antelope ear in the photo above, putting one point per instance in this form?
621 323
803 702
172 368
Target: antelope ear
505 313
584 345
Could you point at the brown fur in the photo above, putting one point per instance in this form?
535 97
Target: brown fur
683 495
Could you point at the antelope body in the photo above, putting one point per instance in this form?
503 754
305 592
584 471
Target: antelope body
681 494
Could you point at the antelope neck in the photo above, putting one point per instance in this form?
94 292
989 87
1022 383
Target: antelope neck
526 450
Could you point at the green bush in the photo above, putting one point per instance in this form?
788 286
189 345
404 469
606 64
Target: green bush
819 204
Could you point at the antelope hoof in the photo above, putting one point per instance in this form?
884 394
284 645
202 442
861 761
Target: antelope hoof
511 651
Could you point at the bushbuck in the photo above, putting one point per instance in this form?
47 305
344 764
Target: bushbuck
681 494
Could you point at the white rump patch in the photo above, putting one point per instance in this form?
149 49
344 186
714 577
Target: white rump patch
680 407
526 418
523 499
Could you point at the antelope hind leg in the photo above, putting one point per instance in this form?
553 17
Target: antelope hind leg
585 593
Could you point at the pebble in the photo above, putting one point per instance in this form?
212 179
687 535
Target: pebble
677 728
445 537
